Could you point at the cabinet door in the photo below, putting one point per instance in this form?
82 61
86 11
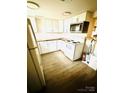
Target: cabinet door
51 46
63 46
61 23
81 18
47 46
55 24
48 25
65 26
44 47
78 51
69 50
58 44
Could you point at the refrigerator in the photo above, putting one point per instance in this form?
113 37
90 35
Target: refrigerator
35 74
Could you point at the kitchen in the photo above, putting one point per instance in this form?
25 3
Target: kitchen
68 38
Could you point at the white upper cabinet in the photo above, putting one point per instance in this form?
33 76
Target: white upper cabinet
75 19
79 18
55 25
67 23
61 26
65 26
48 25
47 46
51 25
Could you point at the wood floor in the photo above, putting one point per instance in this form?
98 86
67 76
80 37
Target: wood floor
64 76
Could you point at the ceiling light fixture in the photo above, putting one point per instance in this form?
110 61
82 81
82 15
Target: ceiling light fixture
32 5
67 13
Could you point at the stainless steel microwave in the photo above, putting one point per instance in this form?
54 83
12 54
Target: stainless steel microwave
79 27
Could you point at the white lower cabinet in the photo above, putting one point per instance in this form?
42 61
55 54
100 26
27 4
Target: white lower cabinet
44 47
51 45
59 44
78 51
71 50
47 46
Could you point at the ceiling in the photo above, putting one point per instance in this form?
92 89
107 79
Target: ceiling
56 8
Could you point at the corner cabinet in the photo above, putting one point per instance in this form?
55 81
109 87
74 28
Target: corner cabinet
47 46
61 45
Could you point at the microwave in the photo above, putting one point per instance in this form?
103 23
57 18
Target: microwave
79 27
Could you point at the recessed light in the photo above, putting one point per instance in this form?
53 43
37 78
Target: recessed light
65 0
32 5
67 13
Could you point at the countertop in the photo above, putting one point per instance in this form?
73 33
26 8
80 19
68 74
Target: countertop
63 39
49 39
